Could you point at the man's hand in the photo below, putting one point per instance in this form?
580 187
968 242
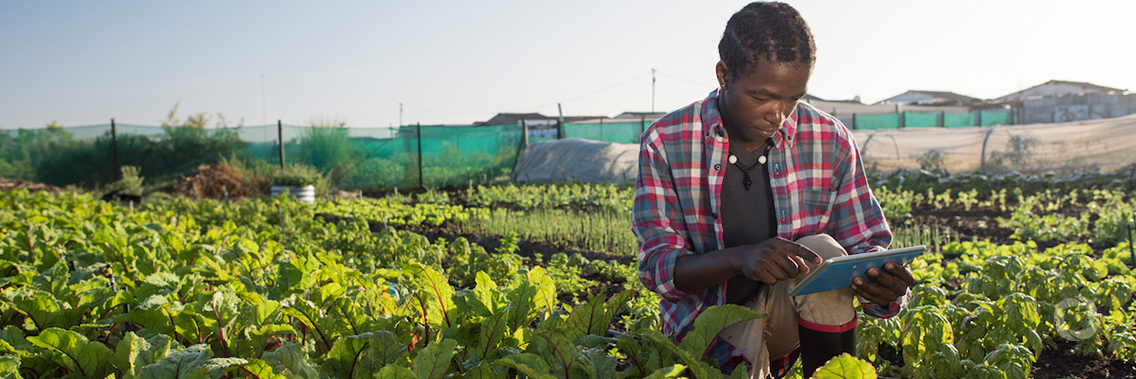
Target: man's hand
776 259
891 283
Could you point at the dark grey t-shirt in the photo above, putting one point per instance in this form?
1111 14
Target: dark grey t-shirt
747 215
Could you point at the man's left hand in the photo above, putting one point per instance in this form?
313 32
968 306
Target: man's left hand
890 284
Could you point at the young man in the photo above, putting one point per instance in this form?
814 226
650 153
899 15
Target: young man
740 194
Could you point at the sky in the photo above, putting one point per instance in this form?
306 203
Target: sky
457 62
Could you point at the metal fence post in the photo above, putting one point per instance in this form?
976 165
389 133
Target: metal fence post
560 122
421 182
114 148
524 136
280 139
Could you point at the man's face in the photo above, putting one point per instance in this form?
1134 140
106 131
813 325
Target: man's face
755 104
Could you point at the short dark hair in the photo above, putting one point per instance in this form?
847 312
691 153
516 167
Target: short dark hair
770 30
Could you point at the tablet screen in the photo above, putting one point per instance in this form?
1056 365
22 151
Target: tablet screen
837 273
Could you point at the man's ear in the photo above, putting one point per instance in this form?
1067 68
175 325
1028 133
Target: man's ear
723 74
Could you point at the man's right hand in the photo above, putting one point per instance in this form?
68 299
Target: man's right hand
769 262
776 259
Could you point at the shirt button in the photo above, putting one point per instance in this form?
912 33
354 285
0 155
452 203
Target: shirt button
714 215
717 167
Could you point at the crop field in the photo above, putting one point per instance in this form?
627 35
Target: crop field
1028 277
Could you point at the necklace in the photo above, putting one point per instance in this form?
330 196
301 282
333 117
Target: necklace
746 181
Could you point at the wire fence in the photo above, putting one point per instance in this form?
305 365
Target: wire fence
454 155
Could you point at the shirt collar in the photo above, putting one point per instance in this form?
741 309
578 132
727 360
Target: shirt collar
712 122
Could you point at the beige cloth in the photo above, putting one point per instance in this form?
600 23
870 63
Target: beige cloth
776 335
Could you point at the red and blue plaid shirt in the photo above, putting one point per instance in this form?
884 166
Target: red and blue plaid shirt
817 182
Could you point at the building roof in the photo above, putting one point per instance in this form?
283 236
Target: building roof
513 118
938 98
644 115
1085 86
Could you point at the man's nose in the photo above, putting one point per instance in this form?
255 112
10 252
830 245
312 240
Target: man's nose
776 114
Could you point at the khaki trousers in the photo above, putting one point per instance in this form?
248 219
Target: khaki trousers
776 335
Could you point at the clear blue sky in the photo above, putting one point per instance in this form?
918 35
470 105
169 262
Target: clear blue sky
84 62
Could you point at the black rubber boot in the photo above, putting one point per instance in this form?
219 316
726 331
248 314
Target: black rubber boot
818 347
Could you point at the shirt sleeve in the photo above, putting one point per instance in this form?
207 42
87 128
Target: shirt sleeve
657 220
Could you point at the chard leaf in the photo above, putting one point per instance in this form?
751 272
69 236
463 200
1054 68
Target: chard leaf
395 372
257 369
133 353
385 348
845 367
290 360
182 364
288 276
667 372
433 360
493 330
545 289
588 318
709 324
258 337
435 295
694 362
527 363
488 295
74 351
346 359
10 366
41 308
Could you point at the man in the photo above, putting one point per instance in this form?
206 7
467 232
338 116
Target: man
740 194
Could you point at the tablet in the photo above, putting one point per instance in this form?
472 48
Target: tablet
837 273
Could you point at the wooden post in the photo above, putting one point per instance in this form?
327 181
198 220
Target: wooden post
114 148
280 138
978 118
853 120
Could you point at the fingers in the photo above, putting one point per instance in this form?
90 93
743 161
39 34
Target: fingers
891 283
903 273
872 292
802 251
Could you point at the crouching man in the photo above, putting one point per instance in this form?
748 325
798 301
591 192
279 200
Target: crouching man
742 193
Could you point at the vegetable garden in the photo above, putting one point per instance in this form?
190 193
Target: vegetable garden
1031 277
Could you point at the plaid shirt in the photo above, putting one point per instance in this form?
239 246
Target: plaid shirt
817 183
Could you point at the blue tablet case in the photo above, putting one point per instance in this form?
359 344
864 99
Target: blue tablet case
837 273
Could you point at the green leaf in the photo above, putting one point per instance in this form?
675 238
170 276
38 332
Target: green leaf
710 323
545 289
290 360
668 372
845 366
41 308
74 351
10 366
346 360
531 365
395 372
493 330
258 337
589 318
385 348
258 369
433 360
133 353
435 295
188 363
699 368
